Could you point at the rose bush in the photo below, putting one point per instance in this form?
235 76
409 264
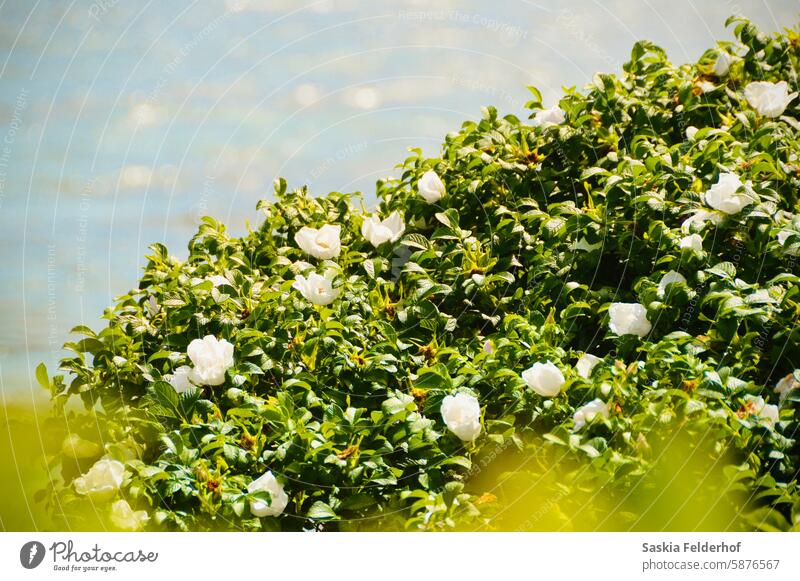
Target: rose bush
521 335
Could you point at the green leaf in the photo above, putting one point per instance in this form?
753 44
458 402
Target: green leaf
41 376
321 511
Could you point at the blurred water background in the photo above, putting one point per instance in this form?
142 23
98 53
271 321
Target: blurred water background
122 123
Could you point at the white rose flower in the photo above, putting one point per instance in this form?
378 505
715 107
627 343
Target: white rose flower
316 289
544 378
127 519
783 236
628 319
725 196
692 242
322 243
552 116
462 416
76 447
785 385
769 99
181 379
588 412
378 231
278 498
690 132
769 414
102 480
586 364
671 277
218 279
756 406
211 358
431 187
722 64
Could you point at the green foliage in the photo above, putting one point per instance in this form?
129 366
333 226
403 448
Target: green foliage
541 229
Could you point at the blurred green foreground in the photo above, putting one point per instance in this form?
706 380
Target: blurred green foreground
28 433
691 486
22 470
